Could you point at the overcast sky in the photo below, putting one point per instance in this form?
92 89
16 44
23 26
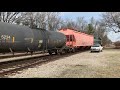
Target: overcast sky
87 15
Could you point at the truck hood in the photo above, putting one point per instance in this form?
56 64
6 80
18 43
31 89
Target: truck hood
95 47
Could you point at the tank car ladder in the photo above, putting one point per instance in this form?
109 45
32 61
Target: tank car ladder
45 42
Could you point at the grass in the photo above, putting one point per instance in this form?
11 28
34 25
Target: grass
112 70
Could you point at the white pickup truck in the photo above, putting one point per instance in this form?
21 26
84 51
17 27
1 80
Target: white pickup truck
96 47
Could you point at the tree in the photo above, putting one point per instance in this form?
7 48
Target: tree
27 19
81 24
101 32
112 21
45 20
9 17
90 29
41 19
53 20
117 43
69 23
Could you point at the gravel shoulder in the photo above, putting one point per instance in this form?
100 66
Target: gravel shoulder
105 64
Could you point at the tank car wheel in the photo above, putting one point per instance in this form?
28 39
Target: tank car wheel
73 50
50 52
61 53
66 51
3 52
56 52
31 52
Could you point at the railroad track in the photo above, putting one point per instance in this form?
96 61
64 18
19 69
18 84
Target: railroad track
9 55
15 66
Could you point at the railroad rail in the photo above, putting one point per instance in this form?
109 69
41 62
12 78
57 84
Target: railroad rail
17 54
14 66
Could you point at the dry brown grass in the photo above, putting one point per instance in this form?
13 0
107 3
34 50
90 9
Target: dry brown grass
105 64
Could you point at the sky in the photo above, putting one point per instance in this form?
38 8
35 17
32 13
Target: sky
87 15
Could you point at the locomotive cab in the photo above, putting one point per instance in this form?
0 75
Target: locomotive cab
70 40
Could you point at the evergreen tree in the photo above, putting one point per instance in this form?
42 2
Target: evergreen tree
90 29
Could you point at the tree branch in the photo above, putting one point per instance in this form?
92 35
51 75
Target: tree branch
14 14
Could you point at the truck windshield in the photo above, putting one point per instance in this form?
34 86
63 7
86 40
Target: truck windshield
95 46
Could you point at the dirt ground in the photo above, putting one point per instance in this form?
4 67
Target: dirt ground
105 64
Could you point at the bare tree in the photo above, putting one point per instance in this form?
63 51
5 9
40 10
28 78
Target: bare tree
101 32
9 17
69 23
40 20
81 23
45 20
112 20
117 44
28 19
53 20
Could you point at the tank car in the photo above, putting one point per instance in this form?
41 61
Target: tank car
16 38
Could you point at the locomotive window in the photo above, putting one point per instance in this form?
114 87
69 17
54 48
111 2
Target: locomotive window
67 36
70 37
73 37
